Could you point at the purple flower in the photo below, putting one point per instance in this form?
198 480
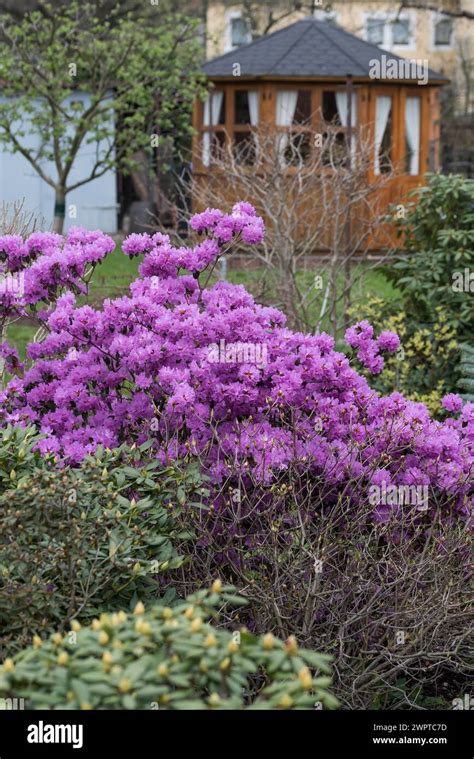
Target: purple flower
270 399
388 341
452 402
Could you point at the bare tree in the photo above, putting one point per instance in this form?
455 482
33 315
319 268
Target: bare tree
466 65
444 7
262 17
321 214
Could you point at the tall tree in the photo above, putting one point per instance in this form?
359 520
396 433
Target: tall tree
140 80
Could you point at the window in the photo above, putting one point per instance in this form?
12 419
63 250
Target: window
213 139
388 30
375 31
443 31
237 31
293 116
246 116
335 110
242 107
330 111
401 32
303 108
229 118
383 135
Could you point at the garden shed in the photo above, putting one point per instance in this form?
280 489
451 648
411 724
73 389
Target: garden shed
313 77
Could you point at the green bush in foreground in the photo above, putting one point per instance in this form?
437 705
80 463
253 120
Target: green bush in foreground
167 658
76 540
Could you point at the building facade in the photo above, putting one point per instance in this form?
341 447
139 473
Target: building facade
445 42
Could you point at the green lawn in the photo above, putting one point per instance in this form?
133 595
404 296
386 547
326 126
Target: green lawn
113 275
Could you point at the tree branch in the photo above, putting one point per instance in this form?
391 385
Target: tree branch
437 8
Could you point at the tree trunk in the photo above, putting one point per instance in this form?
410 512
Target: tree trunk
59 209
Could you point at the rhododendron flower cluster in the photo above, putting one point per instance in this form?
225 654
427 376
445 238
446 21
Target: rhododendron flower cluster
36 270
360 337
138 368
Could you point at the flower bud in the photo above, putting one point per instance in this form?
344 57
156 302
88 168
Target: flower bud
268 642
196 624
286 702
305 678
214 699
291 646
210 640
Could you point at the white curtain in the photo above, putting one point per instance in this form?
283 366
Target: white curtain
212 111
253 107
412 127
382 112
342 103
286 107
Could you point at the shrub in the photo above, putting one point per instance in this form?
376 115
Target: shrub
18 454
389 598
37 271
437 241
168 362
77 538
168 659
467 369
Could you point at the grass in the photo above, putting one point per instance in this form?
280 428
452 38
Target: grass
369 283
113 276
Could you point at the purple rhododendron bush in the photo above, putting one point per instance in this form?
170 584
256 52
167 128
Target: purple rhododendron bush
207 371
332 508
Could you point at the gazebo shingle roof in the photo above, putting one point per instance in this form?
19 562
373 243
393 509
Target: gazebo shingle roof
307 48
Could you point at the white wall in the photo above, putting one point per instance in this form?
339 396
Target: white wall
96 201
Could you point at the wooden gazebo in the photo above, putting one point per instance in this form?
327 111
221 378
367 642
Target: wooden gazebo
313 74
